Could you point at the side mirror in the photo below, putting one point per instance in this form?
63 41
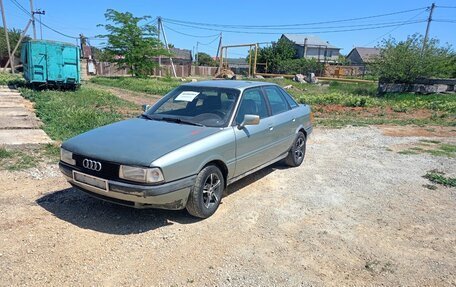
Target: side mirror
146 107
249 120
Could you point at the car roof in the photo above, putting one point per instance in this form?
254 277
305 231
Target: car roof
233 84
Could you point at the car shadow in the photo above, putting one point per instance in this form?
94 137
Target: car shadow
84 211
80 209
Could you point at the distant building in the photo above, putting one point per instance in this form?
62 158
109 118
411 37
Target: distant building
313 47
179 56
360 56
238 65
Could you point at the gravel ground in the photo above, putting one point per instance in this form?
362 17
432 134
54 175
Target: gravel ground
355 213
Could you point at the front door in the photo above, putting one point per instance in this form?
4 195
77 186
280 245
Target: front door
253 143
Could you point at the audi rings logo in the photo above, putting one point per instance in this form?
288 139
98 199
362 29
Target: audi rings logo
91 164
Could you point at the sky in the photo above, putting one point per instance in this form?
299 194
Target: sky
75 17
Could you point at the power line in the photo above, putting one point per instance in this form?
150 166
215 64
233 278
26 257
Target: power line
207 44
301 32
18 5
445 7
444 20
190 35
293 25
389 32
336 27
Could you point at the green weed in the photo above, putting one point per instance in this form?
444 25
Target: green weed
439 177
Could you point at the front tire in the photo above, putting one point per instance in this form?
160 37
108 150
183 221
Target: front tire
297 152
206 193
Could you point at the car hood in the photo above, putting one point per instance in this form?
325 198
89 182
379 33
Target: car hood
135 141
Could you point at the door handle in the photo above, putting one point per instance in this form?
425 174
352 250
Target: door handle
271 128
294 120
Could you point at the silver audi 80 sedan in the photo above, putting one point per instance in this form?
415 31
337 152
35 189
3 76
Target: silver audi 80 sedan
184 150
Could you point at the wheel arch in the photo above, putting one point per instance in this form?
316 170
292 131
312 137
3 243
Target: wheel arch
222 166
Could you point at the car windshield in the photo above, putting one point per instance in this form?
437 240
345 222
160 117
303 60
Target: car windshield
202 106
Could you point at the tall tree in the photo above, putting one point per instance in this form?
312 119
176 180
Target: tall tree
132 44
280 51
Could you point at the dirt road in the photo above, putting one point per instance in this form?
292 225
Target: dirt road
355 213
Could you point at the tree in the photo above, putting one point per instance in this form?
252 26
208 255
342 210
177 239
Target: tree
206 60
404 61
273 55
14 35
131 44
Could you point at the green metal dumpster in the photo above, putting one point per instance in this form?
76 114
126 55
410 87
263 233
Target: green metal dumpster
50 63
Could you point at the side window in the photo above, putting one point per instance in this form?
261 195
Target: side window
276 100
252 103
289 99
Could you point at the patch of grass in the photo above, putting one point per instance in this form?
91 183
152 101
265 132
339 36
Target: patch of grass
435 149
447 150
20 158
4 153
23 161
430 141
407 151
154 86
52 152
7 79
430 186
68 113
439 177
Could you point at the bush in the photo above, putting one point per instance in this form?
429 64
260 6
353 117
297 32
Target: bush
404 61
299 66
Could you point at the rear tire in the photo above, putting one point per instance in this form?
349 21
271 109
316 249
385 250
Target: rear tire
297 152
207 192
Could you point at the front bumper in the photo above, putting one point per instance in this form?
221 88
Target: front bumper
172 195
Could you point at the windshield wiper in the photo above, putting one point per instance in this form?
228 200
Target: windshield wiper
149 117
181 121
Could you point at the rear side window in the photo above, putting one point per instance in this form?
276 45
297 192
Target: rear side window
289 99
277 101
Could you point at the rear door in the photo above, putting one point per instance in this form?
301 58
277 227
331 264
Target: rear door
70 55
55 62
284 123
253 143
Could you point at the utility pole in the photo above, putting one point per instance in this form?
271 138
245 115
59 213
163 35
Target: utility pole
219 52
159 56
39 12
196 55
33 19
427 27
167 47
5 29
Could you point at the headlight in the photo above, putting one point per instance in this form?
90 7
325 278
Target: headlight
147 175
67 156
